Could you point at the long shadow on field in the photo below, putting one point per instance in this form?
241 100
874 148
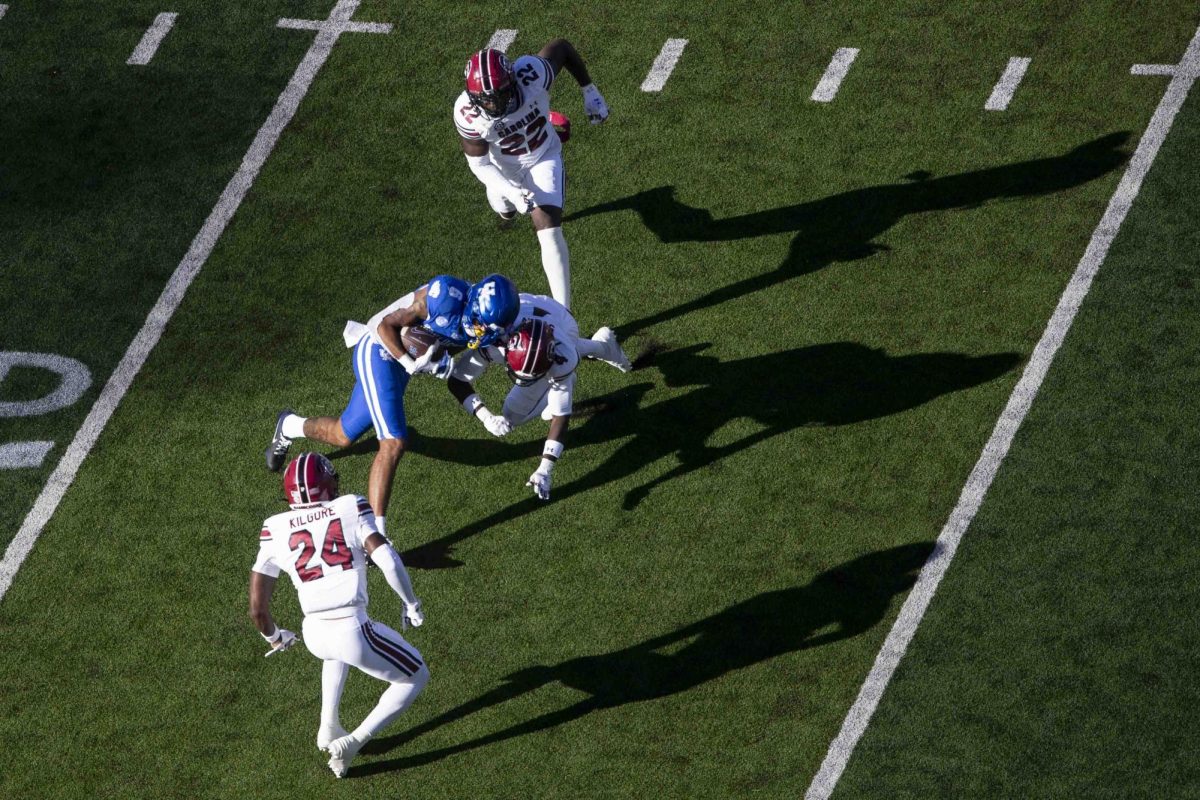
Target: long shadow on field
838 604
842 227
829 384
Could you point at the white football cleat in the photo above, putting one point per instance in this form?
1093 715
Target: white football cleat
342 751
615 356
327 733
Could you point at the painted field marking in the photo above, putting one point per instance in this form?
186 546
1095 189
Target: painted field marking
3 10
152 38
664 65
23 455
827 88
1152 69
202 246
1184 74
502 39
1002 93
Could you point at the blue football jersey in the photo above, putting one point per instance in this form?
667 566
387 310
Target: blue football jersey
446 300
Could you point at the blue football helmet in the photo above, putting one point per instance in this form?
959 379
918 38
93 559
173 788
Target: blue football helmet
492 306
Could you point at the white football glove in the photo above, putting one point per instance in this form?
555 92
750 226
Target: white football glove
521 198
540 481
421 363
286 640
594 105
496 424
413 615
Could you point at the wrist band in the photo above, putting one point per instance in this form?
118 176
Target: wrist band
472 404
552 450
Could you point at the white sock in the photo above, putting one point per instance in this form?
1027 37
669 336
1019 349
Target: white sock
293 426
392 704
556 263
333 680
381 526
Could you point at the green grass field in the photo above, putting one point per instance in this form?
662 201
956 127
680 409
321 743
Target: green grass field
831 304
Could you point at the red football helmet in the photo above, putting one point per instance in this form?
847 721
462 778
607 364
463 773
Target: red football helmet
490 83
530 351
310 478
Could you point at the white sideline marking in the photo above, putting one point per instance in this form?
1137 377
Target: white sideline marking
23 455
980 479
502 39
264 141
3 10
152 38
664 65
827 89
1002 93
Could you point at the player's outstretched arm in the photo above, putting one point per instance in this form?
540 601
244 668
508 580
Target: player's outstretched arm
261 588
561 53
473 404
551 452
388 560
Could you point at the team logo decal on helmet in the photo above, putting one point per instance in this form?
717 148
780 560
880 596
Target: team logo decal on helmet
530 352
310 478
490 84
492 306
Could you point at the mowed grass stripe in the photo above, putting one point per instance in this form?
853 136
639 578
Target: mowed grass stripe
1060 658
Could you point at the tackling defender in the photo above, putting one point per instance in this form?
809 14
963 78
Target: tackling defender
541 354
323 543
382 369
503 121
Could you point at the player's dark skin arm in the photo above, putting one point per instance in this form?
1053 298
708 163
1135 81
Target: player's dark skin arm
460 389
558 429
261 587
561 53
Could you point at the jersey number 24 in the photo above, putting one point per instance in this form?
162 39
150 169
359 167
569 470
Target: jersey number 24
334 552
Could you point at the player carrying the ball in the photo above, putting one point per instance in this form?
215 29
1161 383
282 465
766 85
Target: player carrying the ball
503 121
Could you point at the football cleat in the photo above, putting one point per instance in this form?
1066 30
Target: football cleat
327 733
490 84
310 478
614 356
278 449
342 752
507 220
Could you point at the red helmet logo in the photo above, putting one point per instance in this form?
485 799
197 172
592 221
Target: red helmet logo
530 351
490 84
310 478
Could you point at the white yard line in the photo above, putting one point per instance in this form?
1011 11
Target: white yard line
502 39
285 107
664 65
1184 75
827 89
23 455
152 38
1002 93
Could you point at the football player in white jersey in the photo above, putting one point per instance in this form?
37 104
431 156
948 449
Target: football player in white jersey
541 353
323 543
503 120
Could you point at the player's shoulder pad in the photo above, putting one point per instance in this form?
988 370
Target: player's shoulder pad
465 117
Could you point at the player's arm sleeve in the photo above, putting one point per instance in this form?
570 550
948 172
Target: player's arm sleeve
483 169
265 562
389 563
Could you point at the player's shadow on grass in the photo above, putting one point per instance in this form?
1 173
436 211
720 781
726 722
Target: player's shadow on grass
829 384
842 227
836 605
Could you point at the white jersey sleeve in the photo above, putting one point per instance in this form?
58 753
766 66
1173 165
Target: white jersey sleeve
320 547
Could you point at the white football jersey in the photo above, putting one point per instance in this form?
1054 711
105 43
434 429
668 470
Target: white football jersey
518 140
321 547
566 331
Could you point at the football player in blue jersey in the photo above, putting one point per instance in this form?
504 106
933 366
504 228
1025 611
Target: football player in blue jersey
382 368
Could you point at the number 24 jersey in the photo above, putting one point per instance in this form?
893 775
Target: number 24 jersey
518 140
321 547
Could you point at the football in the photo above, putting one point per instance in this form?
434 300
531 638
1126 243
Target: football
417 340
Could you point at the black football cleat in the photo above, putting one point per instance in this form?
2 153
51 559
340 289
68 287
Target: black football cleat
277 450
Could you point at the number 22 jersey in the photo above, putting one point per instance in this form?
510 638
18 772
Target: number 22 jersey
321 547
518 140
